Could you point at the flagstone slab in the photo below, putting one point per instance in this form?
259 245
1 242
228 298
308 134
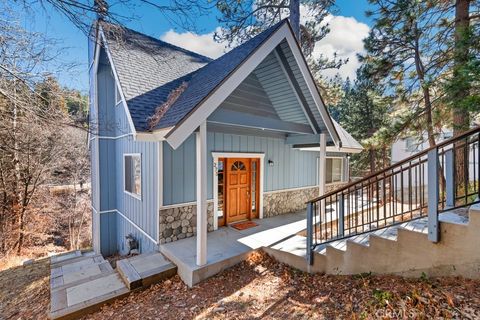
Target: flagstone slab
94 289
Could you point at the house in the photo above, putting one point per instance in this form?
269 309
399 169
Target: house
184 144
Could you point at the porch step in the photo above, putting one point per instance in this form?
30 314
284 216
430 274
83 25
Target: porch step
381 250
83 282
145 269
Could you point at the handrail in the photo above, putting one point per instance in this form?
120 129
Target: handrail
441 178
397 164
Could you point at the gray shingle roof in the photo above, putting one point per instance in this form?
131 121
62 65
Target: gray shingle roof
347 140
149 69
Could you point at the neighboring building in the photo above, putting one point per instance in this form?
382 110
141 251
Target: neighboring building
409 146
241 137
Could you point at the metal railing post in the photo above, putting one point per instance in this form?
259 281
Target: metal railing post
449 178
310 233
341 215
433 195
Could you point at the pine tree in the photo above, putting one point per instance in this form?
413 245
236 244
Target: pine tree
363 111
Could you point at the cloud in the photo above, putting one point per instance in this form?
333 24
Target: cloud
200 43
345 38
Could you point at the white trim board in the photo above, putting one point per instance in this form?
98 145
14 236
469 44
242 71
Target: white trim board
291 189
112 138
183 204
159 183
117 83
132 223
216 156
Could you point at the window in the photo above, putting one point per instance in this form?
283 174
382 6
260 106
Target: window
221 187
411 145
254 187
238 165
334 170
118 97
133 174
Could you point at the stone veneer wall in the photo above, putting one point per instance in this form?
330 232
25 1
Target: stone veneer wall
282 202
333 186
181 222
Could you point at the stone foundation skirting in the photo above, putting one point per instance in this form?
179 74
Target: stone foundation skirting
181 222
333 186
282 202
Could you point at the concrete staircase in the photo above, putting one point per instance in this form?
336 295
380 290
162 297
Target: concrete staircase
403 249
81 282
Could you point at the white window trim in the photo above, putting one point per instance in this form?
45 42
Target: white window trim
216 156
342 179
136 196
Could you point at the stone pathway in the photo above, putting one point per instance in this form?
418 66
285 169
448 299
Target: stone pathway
82 282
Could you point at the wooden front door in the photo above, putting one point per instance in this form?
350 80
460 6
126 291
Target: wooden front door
238 200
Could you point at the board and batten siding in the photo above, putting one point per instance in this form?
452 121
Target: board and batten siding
121 213
292 168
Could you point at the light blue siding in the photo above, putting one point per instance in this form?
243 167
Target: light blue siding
108 233
279 90
142 212
292 168
116 139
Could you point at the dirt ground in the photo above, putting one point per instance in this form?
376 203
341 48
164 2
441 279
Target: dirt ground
261 288
24 291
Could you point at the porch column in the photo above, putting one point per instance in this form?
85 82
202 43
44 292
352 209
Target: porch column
201 146
322 164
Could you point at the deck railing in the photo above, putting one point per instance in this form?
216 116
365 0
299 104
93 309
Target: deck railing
439 179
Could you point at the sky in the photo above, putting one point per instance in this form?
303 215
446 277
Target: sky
348 25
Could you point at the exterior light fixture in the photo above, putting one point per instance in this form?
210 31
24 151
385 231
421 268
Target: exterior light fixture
270 163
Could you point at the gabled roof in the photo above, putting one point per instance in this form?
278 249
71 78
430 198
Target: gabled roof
148 70
209 77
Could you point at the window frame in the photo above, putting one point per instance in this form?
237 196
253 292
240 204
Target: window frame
342 172
341 169
134 195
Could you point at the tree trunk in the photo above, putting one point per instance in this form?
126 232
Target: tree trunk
372 155
16 164
294 18
461 119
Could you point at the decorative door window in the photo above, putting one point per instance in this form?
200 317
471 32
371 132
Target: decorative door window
238 165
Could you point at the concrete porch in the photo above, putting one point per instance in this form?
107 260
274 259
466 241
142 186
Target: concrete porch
228 246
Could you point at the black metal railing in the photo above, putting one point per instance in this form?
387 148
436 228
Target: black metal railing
433 181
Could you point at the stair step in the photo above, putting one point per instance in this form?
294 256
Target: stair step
60 279
129 275
77 300
145 269
78 261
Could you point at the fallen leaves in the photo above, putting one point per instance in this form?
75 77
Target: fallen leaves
262 288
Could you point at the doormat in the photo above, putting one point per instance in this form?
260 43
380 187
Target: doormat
244 225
